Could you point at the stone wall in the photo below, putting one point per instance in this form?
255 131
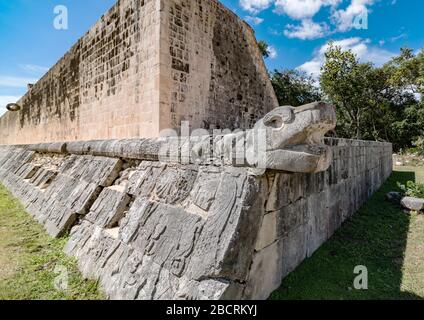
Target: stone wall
304 210
105 86
147 65
154 230
213 73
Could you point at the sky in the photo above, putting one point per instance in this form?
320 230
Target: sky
297 31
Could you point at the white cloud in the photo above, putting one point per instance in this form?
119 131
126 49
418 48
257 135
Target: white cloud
399 37
254 20
33 69
275 32
361 47
302 9
5 100
272 52
312 67
15 82
308 30
344 18
255 6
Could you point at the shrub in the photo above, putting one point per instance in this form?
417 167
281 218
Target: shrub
412 189
419 145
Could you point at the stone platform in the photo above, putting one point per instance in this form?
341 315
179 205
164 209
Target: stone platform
178 230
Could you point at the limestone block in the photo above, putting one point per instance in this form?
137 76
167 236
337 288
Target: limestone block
287 188
204 191
78 147
109 207
294 249
266 272
317 222
143 181
174 184
27 171
42 178
412 203
169 233
100 170
268 232
291 217
55 147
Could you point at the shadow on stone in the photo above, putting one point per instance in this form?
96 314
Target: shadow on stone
376 237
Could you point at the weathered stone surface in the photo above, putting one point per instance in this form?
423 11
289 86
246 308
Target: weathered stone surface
152 230
286 139
294 137
57 198
109 207
268 231
42 178
412 203
145 66
171 253
58 147
27 171
265 273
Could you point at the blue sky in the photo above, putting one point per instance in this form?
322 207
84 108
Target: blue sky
297 30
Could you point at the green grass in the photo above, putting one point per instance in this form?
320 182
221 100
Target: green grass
382 237
29 259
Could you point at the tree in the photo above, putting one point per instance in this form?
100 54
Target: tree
294 88
345 82
408 127
376 103
407 71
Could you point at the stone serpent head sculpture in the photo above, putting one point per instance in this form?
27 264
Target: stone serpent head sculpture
286 139
292 138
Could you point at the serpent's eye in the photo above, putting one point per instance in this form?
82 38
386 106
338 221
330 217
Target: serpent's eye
280 117
275 122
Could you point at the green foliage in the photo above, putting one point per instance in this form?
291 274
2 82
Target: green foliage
372 103
375 103
264 48
412 189
419 145
294 88
407 71
346 83
407 126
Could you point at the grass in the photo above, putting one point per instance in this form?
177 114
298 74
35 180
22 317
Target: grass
32 264
382 237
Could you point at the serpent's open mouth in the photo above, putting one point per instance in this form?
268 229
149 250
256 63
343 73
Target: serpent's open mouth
295 137
315 150
314 144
